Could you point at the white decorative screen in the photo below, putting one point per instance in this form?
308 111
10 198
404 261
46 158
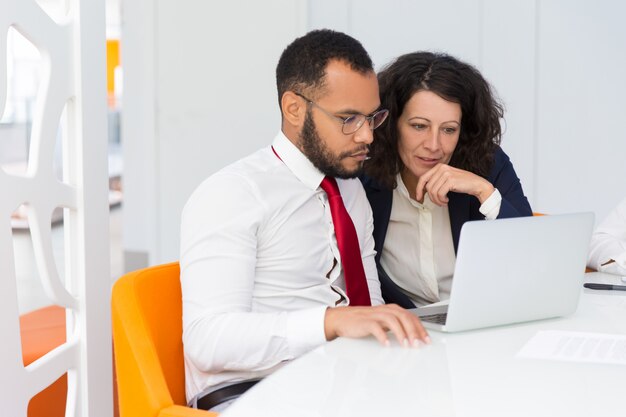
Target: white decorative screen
71 43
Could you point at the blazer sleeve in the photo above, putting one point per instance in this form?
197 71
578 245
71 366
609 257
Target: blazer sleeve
504 178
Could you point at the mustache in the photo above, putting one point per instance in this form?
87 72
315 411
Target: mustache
361 149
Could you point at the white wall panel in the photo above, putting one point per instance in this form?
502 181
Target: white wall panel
138 130
332 14
509 63
581 106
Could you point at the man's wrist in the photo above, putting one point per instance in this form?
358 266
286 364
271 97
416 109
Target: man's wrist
329 328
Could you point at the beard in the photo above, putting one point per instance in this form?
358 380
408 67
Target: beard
321 157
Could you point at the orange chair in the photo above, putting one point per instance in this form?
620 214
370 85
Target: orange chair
42 330
148 344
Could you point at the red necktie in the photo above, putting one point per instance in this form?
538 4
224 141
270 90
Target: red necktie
353 273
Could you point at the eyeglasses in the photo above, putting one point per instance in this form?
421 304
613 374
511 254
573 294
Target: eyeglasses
352 123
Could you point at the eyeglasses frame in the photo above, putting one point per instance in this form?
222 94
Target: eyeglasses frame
344 120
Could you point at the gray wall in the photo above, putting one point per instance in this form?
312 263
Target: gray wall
199 90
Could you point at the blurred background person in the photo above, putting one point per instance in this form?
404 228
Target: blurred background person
607 251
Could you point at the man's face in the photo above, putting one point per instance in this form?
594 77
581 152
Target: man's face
322 140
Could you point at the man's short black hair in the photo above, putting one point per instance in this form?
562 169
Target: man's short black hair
302 65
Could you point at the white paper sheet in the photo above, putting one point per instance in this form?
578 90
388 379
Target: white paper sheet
576 347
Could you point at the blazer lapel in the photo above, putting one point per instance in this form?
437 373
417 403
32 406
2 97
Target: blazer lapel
380 199
459 211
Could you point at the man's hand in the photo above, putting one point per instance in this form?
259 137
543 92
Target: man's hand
358 322
442 178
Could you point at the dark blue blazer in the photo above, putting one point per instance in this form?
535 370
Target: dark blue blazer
461 207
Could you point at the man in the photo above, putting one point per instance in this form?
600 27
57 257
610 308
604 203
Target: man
263 274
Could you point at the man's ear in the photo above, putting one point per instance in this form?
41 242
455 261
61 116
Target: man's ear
293 108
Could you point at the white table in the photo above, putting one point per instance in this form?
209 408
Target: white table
474 373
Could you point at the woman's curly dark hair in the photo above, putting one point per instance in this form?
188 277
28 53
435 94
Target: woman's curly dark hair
452 80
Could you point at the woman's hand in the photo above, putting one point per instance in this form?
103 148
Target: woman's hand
442 178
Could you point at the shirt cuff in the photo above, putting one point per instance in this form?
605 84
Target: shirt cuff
305 330
618 267
613 268
620 259
491 207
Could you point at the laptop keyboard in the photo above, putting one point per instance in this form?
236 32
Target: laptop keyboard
435 318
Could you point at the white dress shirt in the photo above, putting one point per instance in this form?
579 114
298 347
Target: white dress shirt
609 242
418 253
260 265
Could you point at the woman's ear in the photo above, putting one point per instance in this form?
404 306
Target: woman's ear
293 109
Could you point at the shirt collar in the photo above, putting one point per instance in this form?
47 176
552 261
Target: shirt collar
297 162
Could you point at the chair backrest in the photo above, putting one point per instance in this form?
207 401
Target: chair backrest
147 338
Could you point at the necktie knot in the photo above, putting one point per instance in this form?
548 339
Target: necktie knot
329 185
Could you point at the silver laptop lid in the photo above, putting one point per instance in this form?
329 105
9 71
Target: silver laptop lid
520 269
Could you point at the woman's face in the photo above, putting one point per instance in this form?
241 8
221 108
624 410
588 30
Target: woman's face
429 129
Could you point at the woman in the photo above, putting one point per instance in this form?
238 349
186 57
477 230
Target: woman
435 164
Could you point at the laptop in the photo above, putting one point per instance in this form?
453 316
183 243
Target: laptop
514 270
